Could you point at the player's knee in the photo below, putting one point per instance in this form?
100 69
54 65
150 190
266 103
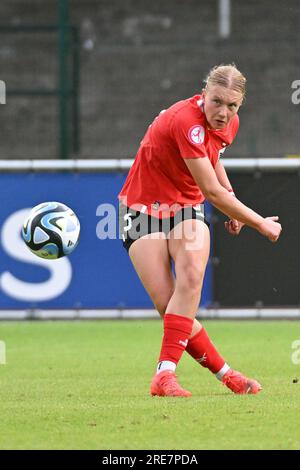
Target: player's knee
191 277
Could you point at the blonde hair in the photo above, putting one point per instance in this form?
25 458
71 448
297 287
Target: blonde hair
227 76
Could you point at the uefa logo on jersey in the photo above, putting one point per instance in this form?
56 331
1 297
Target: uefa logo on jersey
196 134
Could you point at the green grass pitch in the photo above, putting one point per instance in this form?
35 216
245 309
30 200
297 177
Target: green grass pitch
85 385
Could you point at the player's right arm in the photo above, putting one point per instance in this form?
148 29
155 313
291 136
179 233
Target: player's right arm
205 177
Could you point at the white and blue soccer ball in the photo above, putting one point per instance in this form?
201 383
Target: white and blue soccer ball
51 230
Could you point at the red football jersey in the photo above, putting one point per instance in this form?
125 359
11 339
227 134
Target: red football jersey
159 178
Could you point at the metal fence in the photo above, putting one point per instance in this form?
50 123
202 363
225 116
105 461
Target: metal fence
138 57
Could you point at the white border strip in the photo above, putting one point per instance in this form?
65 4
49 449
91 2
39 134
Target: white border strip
262 164
66 165
89 314
235 164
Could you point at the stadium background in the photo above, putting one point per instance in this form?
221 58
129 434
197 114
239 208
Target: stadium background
88 89
82 85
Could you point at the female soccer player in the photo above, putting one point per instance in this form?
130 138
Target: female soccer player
162 219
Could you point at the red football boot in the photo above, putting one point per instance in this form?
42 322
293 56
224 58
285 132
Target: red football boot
240 384
165 384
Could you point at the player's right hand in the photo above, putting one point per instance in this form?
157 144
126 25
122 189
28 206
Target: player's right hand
270 228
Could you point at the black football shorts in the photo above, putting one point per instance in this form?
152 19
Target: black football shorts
134 225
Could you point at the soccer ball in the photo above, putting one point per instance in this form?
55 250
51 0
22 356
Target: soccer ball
51 230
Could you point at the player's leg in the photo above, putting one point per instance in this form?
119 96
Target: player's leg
189 247
190 259
151 260
148 253
152 263
189 244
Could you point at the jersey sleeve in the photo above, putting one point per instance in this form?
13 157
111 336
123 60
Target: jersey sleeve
189 136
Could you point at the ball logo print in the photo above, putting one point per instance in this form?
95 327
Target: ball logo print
196 134
51 230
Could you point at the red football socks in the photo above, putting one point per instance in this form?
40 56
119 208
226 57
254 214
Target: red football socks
177 330
202 349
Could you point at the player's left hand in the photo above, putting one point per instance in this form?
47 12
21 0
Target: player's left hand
233 226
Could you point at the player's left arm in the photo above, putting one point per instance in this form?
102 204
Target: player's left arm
222 176
233 226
